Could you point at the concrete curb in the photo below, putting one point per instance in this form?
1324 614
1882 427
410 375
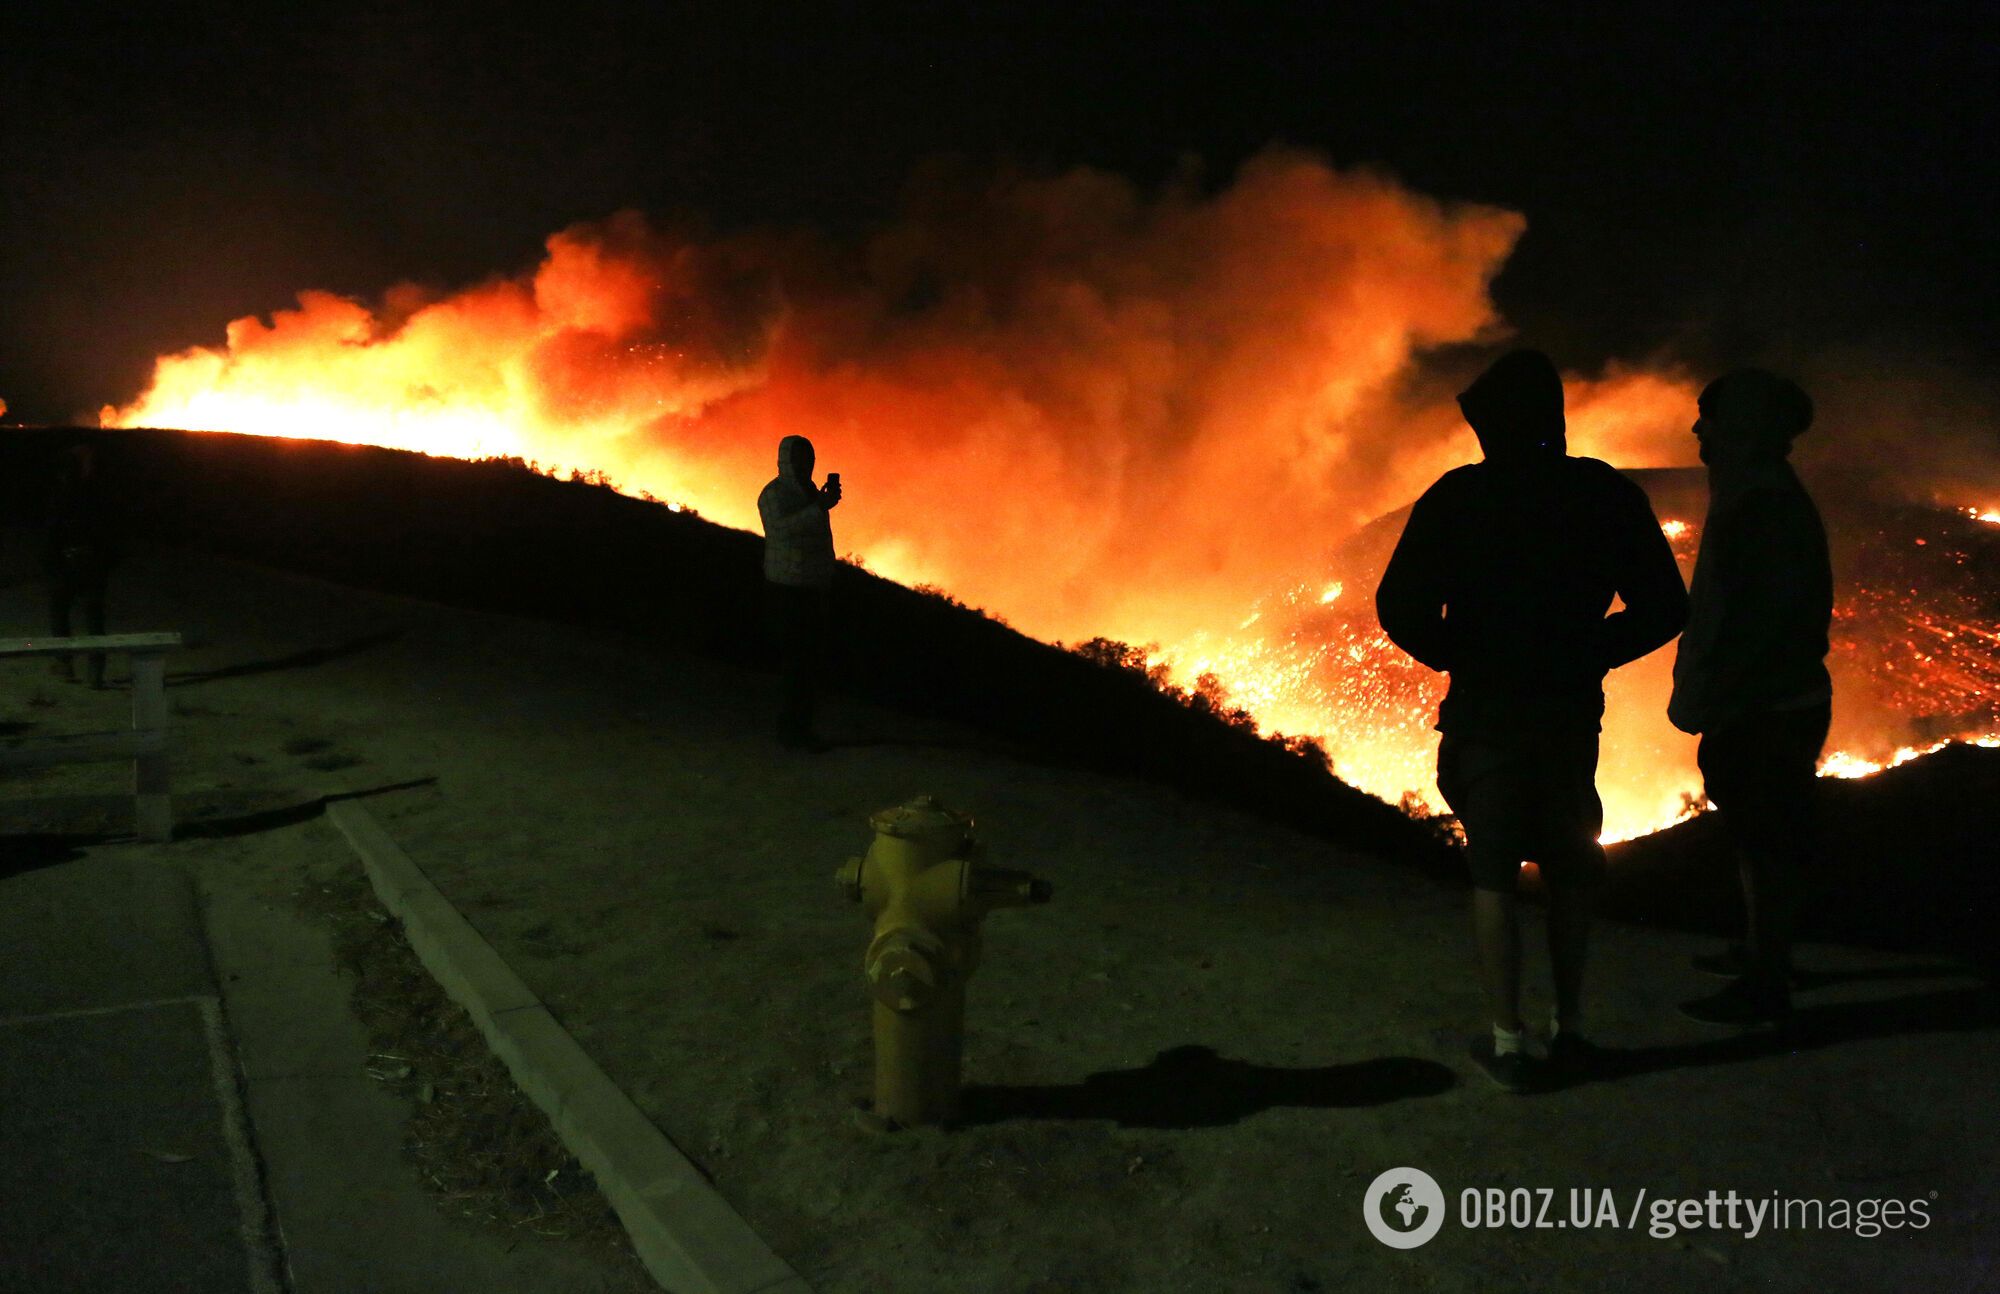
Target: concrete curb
685 1233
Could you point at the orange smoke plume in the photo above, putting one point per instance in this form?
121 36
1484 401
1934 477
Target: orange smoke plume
1157 403
1092 410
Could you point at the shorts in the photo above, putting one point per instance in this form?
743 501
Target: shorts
1530 799
1759 772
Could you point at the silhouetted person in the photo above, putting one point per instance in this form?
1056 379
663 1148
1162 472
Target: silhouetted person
1502 579
1750 675
79 549
798 574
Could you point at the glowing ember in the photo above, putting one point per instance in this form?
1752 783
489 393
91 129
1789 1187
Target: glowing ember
1166 411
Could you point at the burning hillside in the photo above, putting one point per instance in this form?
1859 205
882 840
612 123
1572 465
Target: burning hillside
1915 659
1092 411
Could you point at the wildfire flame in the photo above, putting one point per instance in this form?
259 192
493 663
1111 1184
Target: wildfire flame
1093 411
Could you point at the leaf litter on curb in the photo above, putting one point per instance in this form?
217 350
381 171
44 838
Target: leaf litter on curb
478 1143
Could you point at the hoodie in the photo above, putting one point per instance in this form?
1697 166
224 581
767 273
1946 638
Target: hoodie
798 535
1506 569
1756 639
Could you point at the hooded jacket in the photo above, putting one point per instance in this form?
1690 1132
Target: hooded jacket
1506 568
798 534
1762 603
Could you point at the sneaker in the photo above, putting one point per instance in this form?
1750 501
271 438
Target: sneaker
1732 962
1743 1003
1514 1071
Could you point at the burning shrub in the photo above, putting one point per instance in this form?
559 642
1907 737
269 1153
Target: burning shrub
1445 828
1211 697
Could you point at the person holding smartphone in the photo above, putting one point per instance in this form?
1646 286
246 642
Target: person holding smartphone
798 579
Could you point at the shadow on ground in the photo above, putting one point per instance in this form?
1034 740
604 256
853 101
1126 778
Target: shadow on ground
1193 1087
57 829
1966 1009
32 851
297 660
287 815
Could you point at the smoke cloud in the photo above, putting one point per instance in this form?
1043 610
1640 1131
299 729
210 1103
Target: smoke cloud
1095 409
1087 407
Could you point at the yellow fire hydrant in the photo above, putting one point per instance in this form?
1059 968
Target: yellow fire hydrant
923 882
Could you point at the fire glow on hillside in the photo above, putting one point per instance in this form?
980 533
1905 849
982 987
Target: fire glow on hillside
1091 411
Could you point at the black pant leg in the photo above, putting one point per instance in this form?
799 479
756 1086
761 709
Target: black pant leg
798 619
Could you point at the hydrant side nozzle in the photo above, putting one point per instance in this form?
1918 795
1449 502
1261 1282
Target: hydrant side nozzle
1007 887
848 878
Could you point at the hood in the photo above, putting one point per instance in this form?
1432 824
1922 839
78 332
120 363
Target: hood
795 461
1516 407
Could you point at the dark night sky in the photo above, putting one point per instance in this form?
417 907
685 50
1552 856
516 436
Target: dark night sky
1744 181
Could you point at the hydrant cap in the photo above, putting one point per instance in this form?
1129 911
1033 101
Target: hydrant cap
922 816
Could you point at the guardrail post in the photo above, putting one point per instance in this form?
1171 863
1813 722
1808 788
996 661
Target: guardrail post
152 804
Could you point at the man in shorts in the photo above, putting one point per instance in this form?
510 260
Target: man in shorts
1502 579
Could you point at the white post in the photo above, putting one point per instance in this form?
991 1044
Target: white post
152 806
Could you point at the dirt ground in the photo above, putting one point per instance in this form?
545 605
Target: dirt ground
1185 1071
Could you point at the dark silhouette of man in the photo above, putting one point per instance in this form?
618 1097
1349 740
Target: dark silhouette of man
798 576
79 550
1502 578
1750 675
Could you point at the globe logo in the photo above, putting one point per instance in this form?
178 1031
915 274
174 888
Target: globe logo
1403 1208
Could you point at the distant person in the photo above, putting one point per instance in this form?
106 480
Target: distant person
1502 579
798 573
78 552
1751 678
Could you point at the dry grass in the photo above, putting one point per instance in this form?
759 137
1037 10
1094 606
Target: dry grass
474 1138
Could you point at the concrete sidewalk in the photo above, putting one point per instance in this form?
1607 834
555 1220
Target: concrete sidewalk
129 1165
349 1210
183 1094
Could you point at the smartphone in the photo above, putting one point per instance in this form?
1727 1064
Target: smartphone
833 479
